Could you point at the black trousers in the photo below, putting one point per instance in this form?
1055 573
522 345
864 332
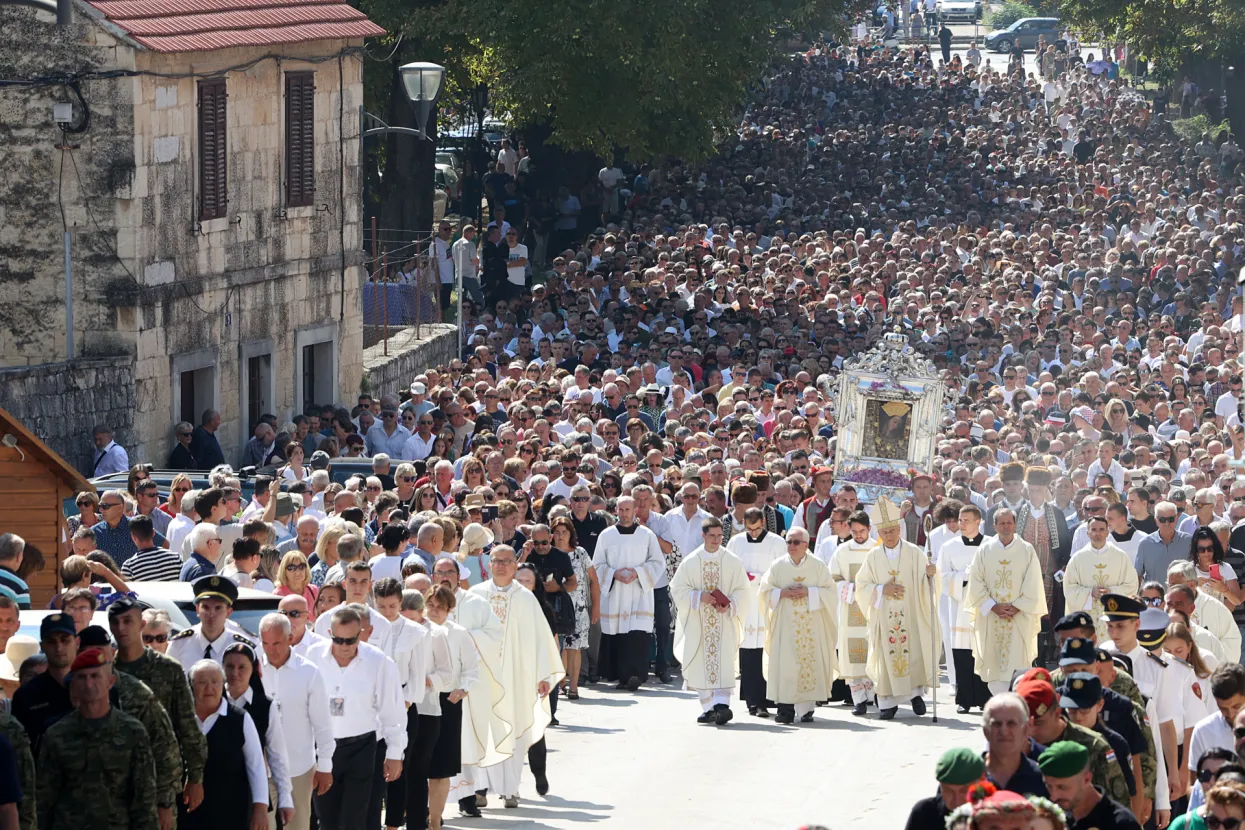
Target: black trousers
628 654
379 787
414 794
751 679
354 772
970 690
538 753
662 638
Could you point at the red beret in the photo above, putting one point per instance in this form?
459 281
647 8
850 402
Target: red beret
88 659
1038 694
1036 673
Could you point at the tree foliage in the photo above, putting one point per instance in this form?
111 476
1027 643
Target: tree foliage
1165 31
651 76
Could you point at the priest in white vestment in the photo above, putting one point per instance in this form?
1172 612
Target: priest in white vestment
800 664
1007 599
947 516
1098 568
479 746
757 548
628 561
853 629
712 593
527 667
954 561
896 588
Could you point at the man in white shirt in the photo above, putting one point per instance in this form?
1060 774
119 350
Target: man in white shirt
294 608
295 684
419 445
1229 403
358 585
365 708
516 268
466 258
441 252
1107 464
1227 686
508 158
110 457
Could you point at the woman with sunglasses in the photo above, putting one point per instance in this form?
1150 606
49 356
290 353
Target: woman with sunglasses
585 597
88 512
139 472
1214 576
1224 809
294 577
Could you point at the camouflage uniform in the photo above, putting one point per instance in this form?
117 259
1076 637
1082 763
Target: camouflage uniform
1103 766
167 679
96 775
134 698
1125 685
12 729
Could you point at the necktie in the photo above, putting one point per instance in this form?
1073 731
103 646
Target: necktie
207 652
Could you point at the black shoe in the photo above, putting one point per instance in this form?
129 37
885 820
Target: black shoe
555 722
708 716
467 806
723 713
542 783
752 710
861 710
594 679
665 677
918 706
889 714
784 717
622 686
807 717
762 712
962 709
634 683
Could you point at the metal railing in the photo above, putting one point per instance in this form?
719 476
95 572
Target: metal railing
402 288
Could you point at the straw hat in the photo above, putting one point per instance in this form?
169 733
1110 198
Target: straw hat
475 537
18 649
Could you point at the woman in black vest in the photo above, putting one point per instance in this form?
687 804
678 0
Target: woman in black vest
234 784
246 690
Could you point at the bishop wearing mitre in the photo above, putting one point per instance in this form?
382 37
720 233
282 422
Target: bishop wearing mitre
853 628
1098 568
897 589
1007 602
799 647
711 592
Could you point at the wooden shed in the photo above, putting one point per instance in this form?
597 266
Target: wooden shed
34 483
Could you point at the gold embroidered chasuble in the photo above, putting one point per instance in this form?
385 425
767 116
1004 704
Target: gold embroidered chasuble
800 664
707 640
904 637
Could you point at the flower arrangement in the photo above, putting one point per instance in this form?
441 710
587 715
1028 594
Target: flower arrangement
879 477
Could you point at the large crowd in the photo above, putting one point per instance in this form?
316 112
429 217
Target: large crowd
628 477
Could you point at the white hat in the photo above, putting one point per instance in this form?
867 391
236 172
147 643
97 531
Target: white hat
16 651
474 536
883 514
418 388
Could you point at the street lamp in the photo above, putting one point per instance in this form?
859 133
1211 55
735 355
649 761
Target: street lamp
423 85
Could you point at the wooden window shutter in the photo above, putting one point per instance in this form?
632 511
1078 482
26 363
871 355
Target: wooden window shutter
300 142
213 150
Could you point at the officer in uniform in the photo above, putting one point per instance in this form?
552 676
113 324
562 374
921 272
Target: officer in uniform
1080 697
96 761
1066 770
208 638
1047 725
1119 715
1076 624
166 678
1123 616
45 699
131 695
13 730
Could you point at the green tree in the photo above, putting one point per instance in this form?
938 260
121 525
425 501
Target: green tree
1167 32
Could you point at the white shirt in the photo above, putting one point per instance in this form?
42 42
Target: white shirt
177 532
439 669
561 488
441 248
111 459
1227 405
517 274
417 448
1115 471
364 696
1211 732
464 659
309 641
275 748
303 704
464 254
252 753
191 646
408 648
380 625
685 532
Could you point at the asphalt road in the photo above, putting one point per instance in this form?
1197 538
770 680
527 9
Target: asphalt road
629 761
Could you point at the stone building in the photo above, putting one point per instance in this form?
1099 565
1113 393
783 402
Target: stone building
202 161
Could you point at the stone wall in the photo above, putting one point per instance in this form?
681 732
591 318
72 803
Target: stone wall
62 402
408 357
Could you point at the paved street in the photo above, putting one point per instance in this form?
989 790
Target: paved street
613 746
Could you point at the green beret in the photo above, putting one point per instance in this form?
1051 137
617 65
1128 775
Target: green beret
959 766
1064 759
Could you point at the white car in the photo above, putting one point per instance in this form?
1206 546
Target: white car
959 10
176 598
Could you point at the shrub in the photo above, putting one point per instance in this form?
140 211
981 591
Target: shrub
1190 130
1009 13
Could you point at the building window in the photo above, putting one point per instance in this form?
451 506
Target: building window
300 143
213 150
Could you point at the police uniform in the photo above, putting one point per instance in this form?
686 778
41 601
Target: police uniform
166 679
1153 681
1082 690
191 646
44 700
100 768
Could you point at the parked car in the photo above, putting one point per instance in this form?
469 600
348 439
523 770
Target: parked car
1025 32
176 598
164 480
949 10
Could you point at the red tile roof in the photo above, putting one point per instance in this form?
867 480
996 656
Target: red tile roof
204 25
